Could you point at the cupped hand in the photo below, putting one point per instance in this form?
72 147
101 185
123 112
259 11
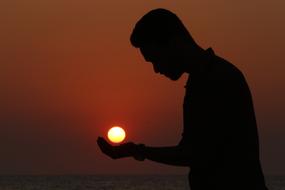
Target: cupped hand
115 152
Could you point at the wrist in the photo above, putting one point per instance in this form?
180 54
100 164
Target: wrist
139 153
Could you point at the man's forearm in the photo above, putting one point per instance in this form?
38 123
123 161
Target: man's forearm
174 155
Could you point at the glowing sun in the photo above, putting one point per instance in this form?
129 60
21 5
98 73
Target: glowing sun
116 134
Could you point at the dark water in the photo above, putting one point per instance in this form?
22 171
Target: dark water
109 182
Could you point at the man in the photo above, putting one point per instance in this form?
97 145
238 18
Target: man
220 139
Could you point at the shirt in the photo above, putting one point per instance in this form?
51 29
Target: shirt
220 131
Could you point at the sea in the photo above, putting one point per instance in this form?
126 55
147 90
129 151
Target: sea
109 182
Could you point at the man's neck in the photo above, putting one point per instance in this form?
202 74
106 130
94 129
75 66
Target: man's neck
195 62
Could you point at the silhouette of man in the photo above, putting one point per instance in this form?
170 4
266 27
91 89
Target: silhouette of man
220 140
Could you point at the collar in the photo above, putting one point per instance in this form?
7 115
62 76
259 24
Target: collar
209 53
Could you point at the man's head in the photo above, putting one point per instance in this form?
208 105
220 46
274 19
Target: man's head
161 37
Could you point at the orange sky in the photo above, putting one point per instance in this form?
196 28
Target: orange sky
68 72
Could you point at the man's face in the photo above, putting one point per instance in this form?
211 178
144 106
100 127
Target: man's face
165 60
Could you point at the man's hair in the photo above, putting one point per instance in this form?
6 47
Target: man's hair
158 26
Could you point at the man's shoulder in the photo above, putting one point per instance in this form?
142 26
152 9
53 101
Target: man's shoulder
218 67
217 72
223 71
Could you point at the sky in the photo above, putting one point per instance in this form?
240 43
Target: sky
68 73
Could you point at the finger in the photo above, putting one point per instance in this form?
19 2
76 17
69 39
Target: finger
107 148
104 146
104 143
100 139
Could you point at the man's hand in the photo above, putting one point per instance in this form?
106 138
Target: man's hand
115 152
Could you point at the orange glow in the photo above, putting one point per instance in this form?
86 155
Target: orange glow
116 134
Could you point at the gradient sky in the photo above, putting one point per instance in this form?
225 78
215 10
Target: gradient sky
68 72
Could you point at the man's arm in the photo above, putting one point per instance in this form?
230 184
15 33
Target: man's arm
175 155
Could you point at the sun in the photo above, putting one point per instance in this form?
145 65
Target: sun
116 134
